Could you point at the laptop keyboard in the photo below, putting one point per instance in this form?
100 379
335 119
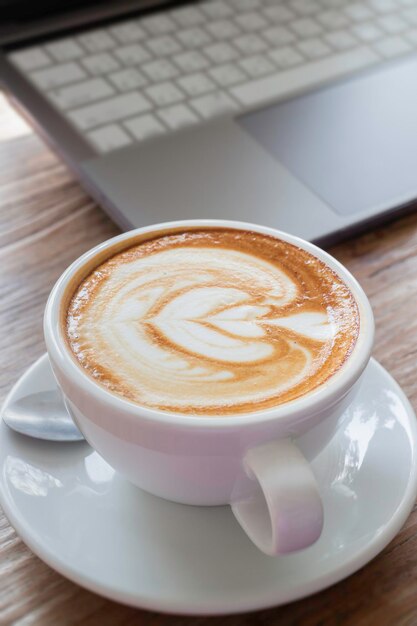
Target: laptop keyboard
150 76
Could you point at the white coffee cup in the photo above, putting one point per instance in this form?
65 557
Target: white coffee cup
259 463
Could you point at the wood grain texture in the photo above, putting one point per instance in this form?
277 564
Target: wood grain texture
46 222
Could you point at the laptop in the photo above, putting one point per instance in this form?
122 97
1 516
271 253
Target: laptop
296 114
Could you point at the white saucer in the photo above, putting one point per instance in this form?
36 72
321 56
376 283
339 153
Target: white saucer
88 523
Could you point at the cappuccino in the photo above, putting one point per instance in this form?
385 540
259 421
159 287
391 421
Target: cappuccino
211 322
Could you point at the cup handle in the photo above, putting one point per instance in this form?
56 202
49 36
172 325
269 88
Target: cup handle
286 512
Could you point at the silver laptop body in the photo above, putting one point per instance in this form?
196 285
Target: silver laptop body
296 114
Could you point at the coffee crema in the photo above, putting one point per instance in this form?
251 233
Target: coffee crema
212 322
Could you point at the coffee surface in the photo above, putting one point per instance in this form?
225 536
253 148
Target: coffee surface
212 322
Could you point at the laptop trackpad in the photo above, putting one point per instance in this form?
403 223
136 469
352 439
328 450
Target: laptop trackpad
354 144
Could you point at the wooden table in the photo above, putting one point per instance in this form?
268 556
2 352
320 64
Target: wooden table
46 222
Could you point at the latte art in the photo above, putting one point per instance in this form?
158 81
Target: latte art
212 322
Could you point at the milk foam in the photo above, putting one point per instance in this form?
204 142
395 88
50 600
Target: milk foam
200 328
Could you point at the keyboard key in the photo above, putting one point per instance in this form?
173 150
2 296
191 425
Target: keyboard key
58 75
65 50
127 32
358 12
367 32
227 75
82 93
97 41
250 44
245 5
279 14
392 47
128 79
223 29
384 6
213 105
196 84
278 36
99 64
178 116
286 57
160 70
341 40
194 37
163 46
191 61
333 4
158 24
112 110
306 27
109 138
221 52
188 16
134 54
30 59
332 19
305 7
313 48
290 82
164 94
392 24
216 10
411 15
145 127
257 66
251 22
412 37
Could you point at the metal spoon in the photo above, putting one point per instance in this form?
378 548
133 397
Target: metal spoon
42 415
